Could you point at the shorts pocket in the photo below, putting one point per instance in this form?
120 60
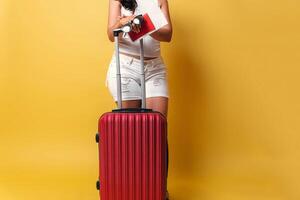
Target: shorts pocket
125 84
124 62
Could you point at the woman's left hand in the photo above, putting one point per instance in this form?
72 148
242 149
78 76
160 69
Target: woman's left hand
136 28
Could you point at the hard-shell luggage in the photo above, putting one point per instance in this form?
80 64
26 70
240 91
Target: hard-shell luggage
132 148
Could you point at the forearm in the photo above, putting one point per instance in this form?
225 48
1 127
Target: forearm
163 34
111 29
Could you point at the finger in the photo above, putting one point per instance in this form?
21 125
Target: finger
134 28
137 28
132 17
129 19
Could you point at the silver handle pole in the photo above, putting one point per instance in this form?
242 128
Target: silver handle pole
143 85
119 93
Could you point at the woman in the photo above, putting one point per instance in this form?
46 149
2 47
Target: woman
120 13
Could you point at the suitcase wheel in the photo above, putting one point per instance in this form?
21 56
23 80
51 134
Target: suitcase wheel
97 137
98 185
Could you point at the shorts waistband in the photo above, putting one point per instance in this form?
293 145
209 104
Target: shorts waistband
131 59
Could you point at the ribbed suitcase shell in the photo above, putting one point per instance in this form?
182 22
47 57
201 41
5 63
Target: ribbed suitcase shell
132 154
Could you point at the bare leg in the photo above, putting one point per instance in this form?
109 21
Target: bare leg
159 104
131 104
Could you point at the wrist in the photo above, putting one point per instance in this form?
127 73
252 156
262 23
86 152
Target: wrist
119 24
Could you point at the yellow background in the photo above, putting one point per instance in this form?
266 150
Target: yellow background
234 130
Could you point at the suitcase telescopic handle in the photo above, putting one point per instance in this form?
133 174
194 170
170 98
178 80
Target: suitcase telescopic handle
142 75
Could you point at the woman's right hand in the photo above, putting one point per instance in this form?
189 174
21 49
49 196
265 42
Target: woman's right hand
123 20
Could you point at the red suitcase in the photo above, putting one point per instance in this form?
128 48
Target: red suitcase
132 149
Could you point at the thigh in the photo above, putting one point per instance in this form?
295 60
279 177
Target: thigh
159 104
130 89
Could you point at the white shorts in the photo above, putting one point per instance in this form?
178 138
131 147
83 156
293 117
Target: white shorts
155 78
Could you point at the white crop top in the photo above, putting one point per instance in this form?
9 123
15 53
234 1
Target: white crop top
151 45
